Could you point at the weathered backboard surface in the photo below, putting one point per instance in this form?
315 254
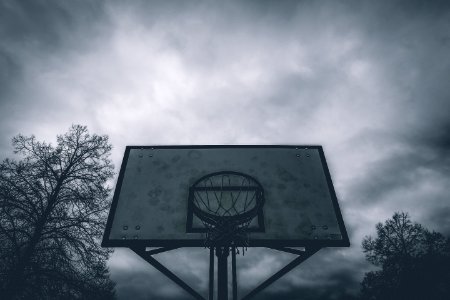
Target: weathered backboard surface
150 205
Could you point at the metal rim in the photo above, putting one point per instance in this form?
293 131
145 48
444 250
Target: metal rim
244 217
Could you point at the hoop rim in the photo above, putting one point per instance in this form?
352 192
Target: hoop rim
227 172
246 216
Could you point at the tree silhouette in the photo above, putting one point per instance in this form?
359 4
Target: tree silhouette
53 203
415 263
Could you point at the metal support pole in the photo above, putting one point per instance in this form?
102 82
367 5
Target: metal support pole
211 274
233 271
222 272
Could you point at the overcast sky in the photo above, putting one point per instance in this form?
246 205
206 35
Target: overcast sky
368 80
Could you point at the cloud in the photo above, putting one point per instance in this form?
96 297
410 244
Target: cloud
367 80
38 39
139 280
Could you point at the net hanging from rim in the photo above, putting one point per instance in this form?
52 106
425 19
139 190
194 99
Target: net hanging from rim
226 203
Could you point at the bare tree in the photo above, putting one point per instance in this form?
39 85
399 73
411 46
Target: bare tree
53 203
414 262
398 239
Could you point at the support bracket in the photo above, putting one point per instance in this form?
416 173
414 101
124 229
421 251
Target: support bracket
302 256
147 256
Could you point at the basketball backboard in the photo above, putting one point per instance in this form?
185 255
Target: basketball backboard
150 206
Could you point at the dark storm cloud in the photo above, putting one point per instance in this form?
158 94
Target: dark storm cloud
411 43
402 171
33 36
46 25
366 79
35 29
333 290
138 280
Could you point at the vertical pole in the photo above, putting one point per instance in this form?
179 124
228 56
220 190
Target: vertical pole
222 272
211 274
233 271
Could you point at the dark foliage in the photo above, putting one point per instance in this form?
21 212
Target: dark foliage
53 203
415 263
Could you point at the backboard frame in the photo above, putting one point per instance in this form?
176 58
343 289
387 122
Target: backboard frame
343 242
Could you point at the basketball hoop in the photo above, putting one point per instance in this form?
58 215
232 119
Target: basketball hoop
224 210
226 202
